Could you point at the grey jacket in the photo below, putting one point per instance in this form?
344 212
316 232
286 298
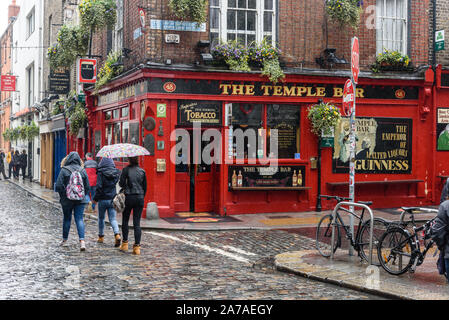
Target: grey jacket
133 181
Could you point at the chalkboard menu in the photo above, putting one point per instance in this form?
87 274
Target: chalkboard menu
266 177
203 112
285 119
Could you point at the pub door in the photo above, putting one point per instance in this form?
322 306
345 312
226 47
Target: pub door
194 189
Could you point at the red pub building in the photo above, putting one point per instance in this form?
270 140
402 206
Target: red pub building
397 162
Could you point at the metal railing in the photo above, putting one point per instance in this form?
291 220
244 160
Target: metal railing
334 218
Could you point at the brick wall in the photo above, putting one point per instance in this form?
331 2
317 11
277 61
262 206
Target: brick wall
303 34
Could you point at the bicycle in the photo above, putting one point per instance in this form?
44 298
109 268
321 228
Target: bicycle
399 250
362 238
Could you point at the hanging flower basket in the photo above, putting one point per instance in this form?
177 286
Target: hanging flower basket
323 118
97 14
73 41
110 70
345 12
189 10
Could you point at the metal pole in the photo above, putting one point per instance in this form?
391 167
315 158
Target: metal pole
318 201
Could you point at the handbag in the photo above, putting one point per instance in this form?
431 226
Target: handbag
119 201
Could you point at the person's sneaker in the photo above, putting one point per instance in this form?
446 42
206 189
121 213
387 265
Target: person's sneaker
63 243
118 240
100 239
82 245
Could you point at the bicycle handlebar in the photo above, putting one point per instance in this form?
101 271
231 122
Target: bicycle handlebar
340 199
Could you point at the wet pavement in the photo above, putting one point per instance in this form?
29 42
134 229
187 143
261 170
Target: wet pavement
230 264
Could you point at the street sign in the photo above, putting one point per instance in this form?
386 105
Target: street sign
8 83
439 40
87 70
142 17
355 55
348 98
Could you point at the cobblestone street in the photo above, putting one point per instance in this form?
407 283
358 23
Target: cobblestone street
173 265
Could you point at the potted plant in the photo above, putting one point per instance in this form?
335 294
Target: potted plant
345 12
323 118
189 10
97 14
233 54
390 60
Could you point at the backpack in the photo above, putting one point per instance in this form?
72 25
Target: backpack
75 188
438 232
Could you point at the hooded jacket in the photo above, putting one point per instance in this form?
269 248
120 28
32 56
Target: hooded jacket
107 178
72 163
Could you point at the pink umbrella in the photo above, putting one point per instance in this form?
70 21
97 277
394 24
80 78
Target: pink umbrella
122 150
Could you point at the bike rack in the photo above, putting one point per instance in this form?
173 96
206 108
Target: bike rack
334 217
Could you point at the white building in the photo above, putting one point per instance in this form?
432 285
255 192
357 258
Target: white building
27 62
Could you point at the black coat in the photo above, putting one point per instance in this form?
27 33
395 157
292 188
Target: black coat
23 160
133 181
443 215
72 163
107 178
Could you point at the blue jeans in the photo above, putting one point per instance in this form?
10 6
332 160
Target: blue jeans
91 195
104 205
78 211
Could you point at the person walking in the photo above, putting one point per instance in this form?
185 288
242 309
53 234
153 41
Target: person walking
72 171
133 181
91 169
107 177
10 163
23 163
2 164
16 164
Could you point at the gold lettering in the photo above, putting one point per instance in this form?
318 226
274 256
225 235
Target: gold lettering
277 91
289 92
301 91
249 90
265 89
225 88
360 93
309 92
321 91
338 92
237 89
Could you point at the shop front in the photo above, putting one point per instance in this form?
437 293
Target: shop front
233 144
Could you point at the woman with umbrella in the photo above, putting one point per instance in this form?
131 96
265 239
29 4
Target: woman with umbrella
133 181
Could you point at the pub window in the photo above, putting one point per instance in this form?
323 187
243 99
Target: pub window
116 114
109 134
242 20
285 119
391 27
117 132
125 132
248 119
134 133
125 112
108 115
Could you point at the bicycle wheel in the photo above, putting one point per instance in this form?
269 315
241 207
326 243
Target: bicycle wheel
395 251
324 236
379 228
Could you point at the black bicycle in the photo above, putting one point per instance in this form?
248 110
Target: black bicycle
362 238
399 250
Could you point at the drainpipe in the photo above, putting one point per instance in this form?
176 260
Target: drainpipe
434 97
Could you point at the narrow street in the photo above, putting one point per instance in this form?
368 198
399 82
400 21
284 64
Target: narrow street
173 265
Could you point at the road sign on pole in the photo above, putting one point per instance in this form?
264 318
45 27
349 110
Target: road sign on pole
348 98
355 69
355 54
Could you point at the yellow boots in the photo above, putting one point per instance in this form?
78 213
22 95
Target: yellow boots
136 248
